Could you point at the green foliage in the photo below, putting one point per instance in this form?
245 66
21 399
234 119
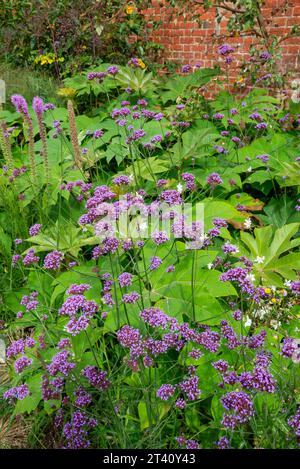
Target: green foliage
163 147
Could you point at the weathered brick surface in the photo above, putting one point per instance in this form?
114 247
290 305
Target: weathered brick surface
185 41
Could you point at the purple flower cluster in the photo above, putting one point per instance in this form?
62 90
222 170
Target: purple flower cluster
79 309
189 180
171 197
289 347
20 104
78 289
30 302
60 364
83 398
294 422
165 391
76 431
225 49
18 347
52 389
125 279
53 260
190 388
131 298
30 258
159 237
17 392
155 262
241 407
35 229
22 363
96 75
155 317
223 443
239 275
214 179
97 378
121 180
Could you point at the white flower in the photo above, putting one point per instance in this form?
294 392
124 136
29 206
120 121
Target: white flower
248 223
179 188
139 196
143 226
210 266
288 283
295 96
260 259
275 324
203 237
261 313
247 321
249 169
273 288
296 354
130 177
250 277
295 84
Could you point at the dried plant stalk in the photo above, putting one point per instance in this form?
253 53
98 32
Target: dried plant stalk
5 145
32 164
44 152
74 135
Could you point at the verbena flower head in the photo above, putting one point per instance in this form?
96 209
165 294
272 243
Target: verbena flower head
214 179
240 406
78 289
53 260
132 297
35 229
223 443
125 279
225 49
30 258
97 378
17 392
155 262
165 391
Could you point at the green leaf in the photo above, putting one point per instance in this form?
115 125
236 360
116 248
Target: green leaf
31 402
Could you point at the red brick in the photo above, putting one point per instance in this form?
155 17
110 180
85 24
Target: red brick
296 10
187 41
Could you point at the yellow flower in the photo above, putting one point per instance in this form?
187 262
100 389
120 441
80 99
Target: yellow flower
273 300
268 290
141 63
129 9
241 80
66 92
61 59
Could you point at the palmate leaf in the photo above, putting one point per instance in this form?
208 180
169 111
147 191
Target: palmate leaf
148 168
223 209
274 248
178 295
182 85
289 174
68 239
196 143
280 212
137 79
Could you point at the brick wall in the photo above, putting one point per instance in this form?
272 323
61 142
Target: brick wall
185 41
